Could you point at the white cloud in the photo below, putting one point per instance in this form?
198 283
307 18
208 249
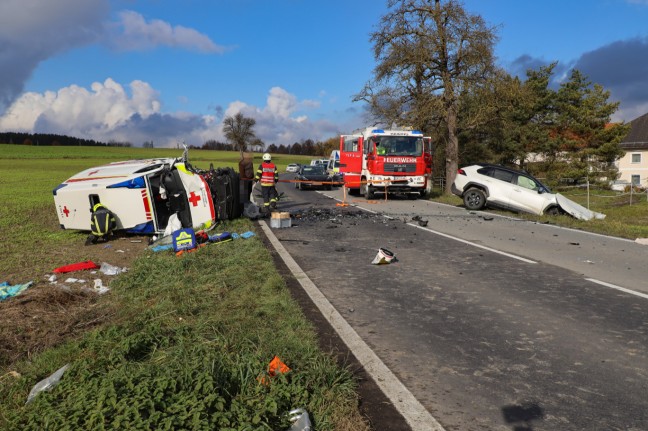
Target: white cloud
278 122
133 32
80 112
32 31
109 111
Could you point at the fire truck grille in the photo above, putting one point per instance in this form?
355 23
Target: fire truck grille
400 167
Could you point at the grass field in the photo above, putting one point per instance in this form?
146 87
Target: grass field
178 343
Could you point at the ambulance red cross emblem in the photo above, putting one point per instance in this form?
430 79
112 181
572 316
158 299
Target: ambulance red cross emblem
194 198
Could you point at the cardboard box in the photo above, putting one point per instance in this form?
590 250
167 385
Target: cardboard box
280 220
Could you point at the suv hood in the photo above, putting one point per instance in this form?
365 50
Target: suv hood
576 210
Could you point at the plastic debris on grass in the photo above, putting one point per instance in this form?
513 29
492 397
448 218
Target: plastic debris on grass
47 384
79 266
8 291
109 269
98 286
300 420
275 367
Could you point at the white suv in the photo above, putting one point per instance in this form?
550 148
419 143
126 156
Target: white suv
484 185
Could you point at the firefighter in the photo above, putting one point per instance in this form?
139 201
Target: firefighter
102 223
268 175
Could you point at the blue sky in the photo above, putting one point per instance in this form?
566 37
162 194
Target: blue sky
169 71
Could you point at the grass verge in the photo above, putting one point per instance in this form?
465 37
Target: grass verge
178 343
188 343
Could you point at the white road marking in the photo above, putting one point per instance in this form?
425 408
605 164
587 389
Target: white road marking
614 286
407 405
513 256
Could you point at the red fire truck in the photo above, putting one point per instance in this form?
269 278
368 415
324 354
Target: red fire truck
386 161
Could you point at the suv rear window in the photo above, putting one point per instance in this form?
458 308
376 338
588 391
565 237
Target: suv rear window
498 174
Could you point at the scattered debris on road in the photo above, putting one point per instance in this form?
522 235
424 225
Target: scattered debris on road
384 257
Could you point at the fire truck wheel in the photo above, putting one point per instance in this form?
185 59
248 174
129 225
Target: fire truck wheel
369 194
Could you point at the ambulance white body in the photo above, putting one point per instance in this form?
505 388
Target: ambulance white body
143 195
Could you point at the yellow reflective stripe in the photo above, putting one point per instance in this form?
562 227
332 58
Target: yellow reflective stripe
183 168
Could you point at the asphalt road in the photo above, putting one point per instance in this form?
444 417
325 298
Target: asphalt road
490 324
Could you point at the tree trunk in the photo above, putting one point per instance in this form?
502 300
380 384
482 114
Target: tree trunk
452 149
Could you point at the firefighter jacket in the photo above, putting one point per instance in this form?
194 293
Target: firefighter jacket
102 221
267 174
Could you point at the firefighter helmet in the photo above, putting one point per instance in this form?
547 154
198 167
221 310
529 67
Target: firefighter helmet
267 157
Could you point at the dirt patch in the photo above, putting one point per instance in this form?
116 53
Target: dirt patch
54 310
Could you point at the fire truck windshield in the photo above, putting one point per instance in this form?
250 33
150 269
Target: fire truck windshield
399 145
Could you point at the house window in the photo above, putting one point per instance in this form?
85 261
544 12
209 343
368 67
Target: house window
635 179
636 158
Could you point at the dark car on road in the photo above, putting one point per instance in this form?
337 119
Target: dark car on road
309 177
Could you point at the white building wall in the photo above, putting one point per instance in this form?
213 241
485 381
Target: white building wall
628 167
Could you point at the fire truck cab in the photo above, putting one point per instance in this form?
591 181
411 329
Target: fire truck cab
386 161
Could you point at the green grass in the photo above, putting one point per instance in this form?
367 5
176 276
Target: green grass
189 340
93 156
189 336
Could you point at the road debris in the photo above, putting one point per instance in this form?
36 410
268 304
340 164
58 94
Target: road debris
383 257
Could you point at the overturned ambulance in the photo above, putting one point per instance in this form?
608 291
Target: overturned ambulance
145 195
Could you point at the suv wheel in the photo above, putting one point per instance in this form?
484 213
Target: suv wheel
474 199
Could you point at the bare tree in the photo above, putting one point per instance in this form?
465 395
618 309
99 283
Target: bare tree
239 131
428 54
257 145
